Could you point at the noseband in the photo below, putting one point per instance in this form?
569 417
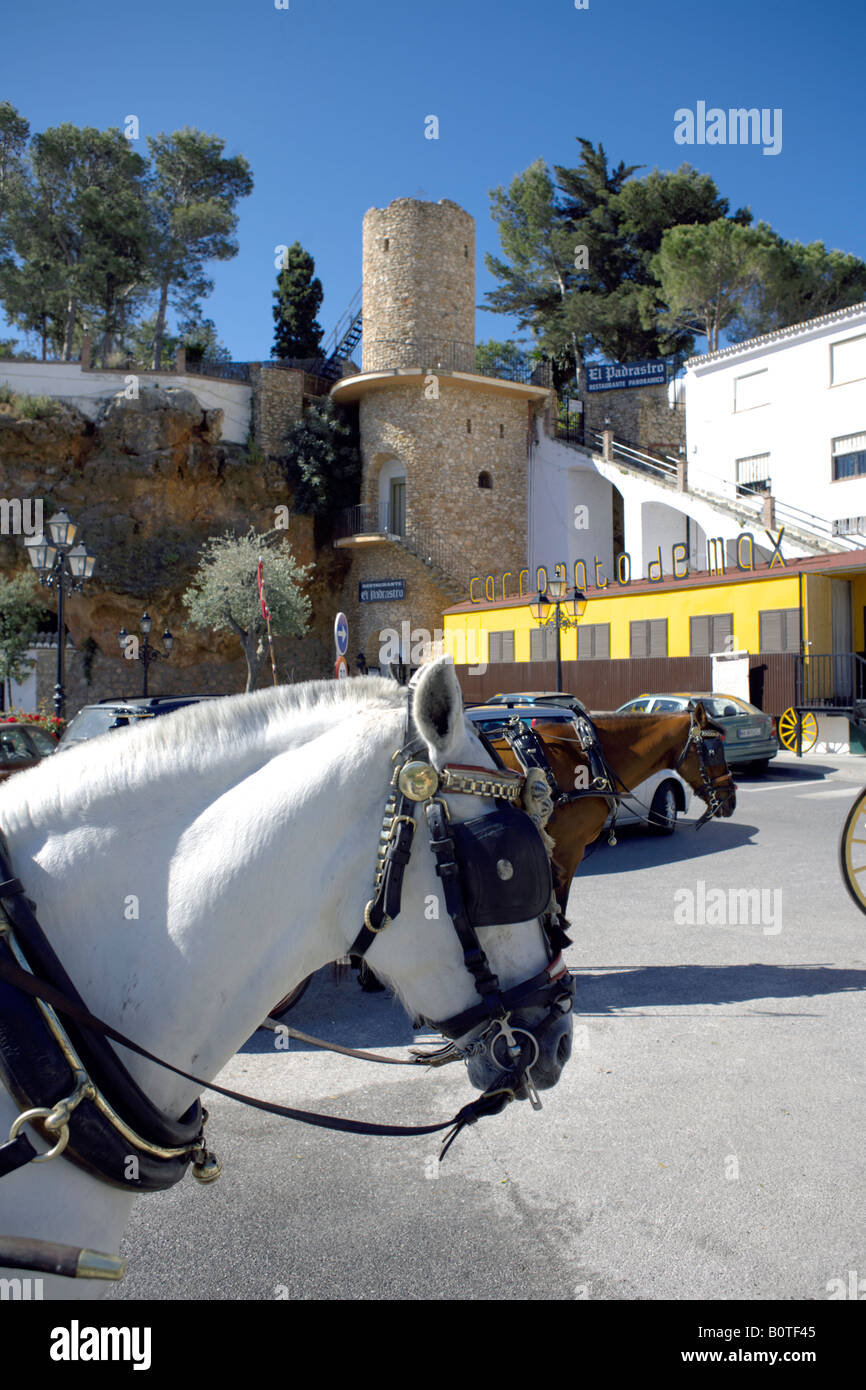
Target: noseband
494 870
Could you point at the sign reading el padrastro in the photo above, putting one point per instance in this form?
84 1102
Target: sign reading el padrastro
617 376
380 590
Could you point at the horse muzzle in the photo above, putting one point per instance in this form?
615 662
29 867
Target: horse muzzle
527 1050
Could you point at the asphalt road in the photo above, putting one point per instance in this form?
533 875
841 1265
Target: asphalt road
704 1143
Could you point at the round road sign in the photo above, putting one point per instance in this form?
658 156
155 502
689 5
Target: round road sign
341 670
341 634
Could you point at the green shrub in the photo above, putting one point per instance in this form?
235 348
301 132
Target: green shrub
36 407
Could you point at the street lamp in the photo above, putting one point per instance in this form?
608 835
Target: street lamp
63 566
547 611
146 653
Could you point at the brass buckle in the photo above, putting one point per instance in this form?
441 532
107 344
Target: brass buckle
56 1117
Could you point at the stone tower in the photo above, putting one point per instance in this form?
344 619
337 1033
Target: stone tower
419 283
445 448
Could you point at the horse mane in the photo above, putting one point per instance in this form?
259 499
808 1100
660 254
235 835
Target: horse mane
188 742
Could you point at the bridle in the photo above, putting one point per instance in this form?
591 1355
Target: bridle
474 860
93 1112
709 744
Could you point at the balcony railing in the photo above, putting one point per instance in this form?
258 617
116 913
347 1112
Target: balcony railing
423 541
438 355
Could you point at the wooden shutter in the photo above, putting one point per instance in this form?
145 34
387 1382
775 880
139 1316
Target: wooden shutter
658 637
639 638
500 647
699 636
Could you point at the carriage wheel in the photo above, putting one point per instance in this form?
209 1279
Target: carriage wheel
787 726
852 852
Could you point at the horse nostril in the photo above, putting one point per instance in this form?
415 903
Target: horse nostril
563 1049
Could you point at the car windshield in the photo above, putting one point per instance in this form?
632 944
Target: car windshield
90 723
716 708
44 742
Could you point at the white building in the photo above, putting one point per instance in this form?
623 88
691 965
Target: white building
786 414
776 437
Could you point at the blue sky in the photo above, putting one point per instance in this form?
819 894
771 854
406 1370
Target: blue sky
327 100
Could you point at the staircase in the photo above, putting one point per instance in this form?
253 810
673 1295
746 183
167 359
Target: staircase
448 565
803 529
344 339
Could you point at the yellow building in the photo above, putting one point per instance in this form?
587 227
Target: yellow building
659 636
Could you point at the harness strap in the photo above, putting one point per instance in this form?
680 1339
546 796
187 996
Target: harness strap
15 1154
489 1103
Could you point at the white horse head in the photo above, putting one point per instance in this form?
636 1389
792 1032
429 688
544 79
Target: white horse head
190 871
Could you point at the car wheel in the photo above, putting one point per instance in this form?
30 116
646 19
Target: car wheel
663 812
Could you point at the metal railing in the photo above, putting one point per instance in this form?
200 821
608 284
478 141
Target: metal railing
439 355
738 496
421 540
831 681
226 371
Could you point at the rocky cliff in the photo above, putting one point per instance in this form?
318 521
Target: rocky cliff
147 483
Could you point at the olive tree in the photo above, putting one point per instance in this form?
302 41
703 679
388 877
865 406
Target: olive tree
224 593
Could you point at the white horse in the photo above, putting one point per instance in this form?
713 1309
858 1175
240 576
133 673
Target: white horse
189 871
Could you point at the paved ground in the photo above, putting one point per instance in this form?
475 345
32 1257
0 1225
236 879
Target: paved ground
705 1141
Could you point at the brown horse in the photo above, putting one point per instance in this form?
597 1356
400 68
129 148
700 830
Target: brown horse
635 746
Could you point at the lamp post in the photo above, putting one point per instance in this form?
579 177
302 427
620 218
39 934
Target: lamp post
146 654
63 566
547 610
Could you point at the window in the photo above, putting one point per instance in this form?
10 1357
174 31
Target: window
847 360
501 431
753 474
593 642
485 480
397 507
468 426
751 391
667 706
849 456
649 637
542 644
779 630
500 647
849 526
709 633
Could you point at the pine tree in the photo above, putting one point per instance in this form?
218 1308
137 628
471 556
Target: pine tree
298 298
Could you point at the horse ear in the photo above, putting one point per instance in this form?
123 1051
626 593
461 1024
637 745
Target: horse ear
701 717
438 705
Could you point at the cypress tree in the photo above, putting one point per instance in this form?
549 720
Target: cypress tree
298 298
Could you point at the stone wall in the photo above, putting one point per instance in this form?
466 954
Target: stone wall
445 445
422 607
278 403
639 416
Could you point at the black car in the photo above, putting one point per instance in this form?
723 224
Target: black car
560 698
93 720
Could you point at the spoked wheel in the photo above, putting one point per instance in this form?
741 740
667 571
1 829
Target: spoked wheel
789 722
852 852
290 999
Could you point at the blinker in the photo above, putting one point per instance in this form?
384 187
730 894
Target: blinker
418 781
